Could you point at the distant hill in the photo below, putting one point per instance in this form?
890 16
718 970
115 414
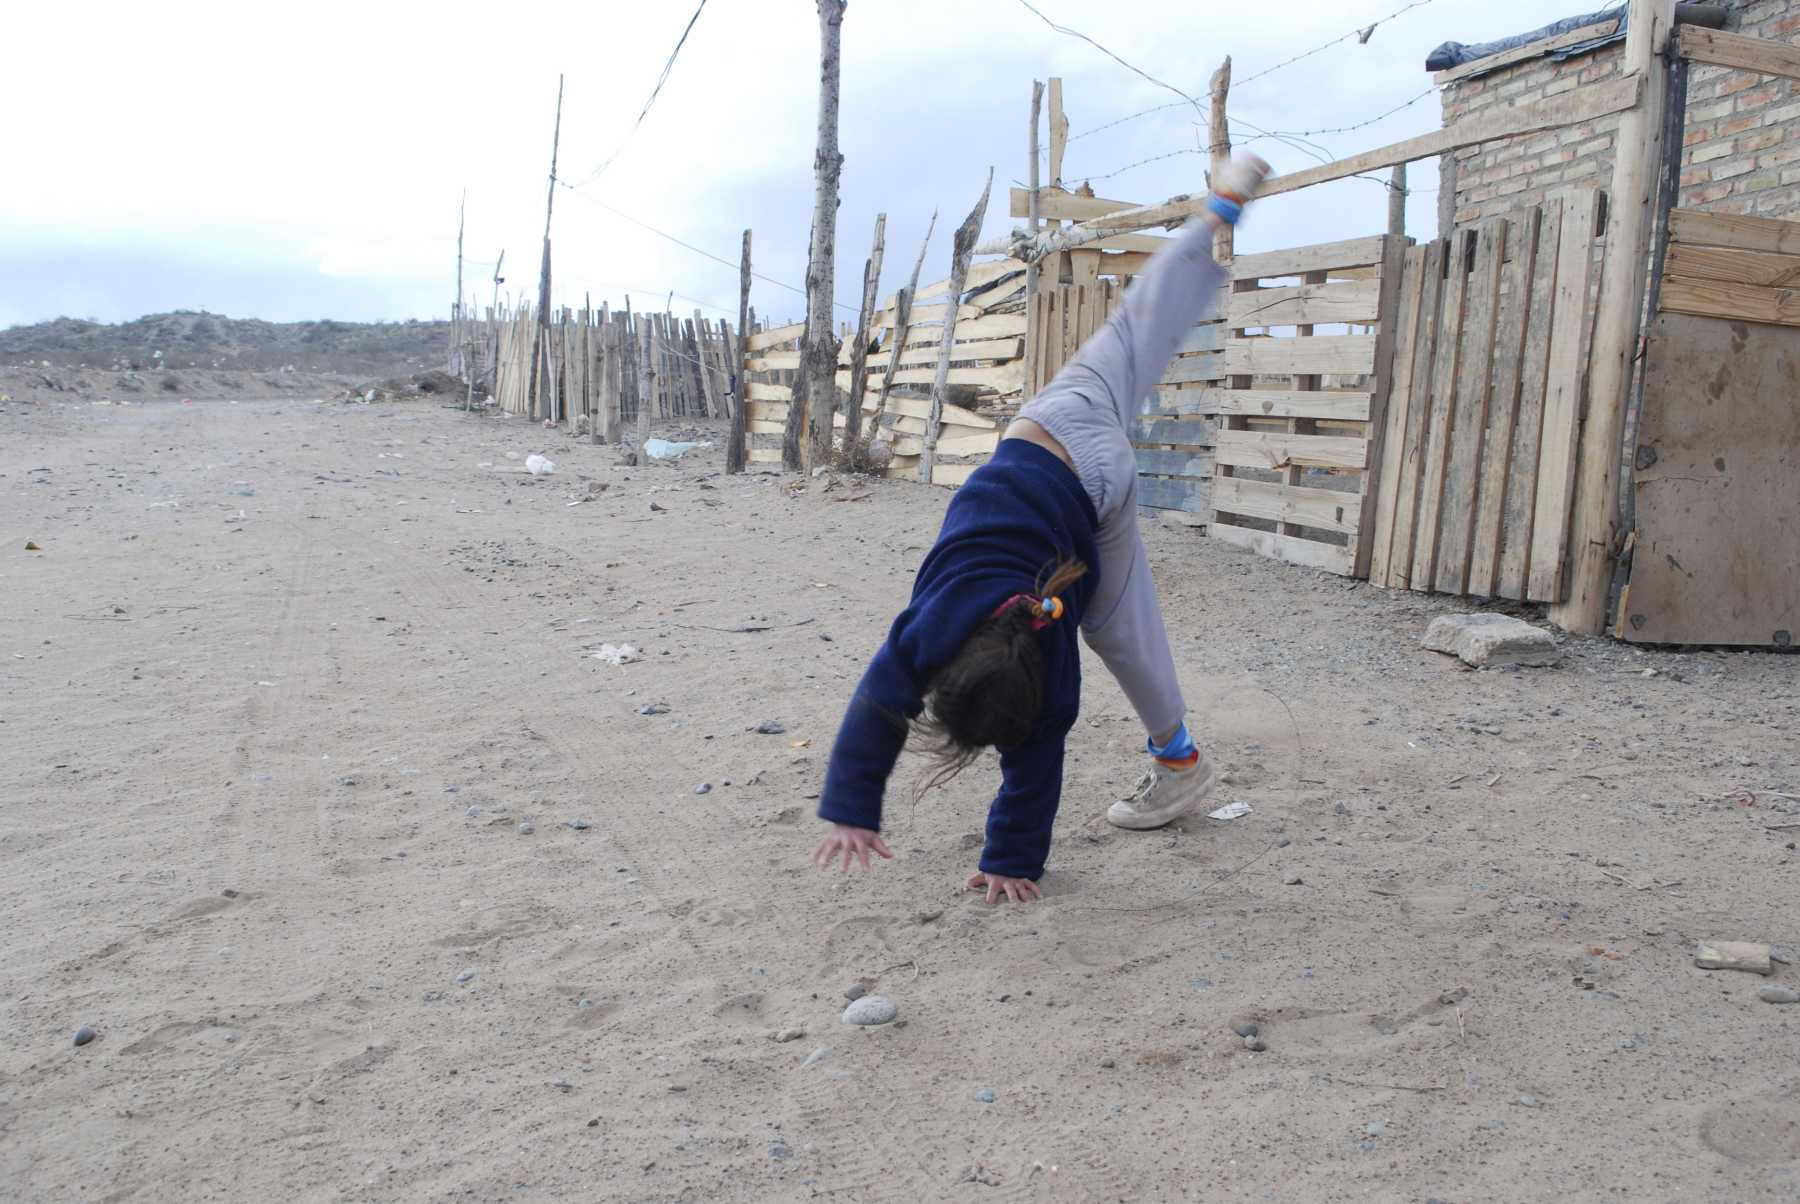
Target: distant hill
188 340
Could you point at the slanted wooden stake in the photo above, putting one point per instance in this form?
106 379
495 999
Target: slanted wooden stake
1631 215
962 248
859 355
1031 269
456 315
734 452
902 328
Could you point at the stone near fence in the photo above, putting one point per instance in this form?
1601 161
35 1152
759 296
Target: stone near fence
1490 641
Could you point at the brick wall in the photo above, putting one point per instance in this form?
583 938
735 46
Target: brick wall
1741 149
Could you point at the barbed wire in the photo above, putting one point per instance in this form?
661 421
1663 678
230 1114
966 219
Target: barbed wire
643 112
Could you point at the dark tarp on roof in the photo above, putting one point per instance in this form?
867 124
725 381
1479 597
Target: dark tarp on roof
1454 54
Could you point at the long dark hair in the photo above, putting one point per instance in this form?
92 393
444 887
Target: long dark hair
992 692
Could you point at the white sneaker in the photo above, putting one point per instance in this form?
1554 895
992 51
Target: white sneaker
1163 795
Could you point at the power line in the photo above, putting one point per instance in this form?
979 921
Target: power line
654 93
1362 32
701 251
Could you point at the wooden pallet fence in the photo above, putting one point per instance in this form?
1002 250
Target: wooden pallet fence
1297 411
771 362
1483 424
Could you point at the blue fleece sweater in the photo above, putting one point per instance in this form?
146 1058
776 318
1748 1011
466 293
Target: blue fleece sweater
1021 511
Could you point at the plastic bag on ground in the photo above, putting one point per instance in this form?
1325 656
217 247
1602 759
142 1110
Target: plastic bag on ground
662 449
537 466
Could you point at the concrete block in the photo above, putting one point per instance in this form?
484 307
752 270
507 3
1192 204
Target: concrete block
1490 641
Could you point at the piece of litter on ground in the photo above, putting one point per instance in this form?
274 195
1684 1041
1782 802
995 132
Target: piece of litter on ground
617 654
1235 810
1733 955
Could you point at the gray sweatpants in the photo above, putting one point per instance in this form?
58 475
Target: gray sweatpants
1090 408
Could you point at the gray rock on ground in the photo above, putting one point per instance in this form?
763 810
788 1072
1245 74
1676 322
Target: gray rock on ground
871 1010
1491 641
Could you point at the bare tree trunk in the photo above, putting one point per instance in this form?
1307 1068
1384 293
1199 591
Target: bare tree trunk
859 355
818 357
734 454
960 252
902 328
1031 269
1220 130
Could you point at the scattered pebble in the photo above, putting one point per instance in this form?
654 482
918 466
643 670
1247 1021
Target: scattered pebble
1255 1044
770 727
783 1036
583 1004
1108 1063
1292 880
562 1085
654 708
855 991
473 812
526 828
779 1150
1247 1029
1776 994
466 977
1376 1128
985 1096
703 788
579 825
871 1010
84 1034
816 1056
1282 842
1528 1101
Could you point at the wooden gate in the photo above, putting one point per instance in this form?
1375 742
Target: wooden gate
1715 556
1483 423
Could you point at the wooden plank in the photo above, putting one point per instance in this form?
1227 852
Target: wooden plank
767 411
1305 552
1341 354
1440 426
1187 369
1002 378
1277 450
1766 234
980 349
1084 268
979 274
1736 267
1319 257
1570 108
1196 431
757 391
972 328
1125 263
1174 493
924 315
1722 49
1305 304
1056 204
1718 517
1456 528
959 441
1744 302
952 475
1174 463
1521 483
1562 401
1503 409
920 407
1208 336
1531 50
1409 329
763 455
1281 403
1324 509
774 338
773 361
760 426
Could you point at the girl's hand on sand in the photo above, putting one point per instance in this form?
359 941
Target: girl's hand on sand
852 843
1019 890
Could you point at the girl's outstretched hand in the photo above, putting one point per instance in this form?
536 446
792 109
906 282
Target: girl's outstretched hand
1019 890
851 842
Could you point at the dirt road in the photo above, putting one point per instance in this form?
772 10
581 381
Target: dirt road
285 682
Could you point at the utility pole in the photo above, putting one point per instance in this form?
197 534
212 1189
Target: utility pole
538 367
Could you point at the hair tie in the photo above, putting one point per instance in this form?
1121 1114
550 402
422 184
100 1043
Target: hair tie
1044 611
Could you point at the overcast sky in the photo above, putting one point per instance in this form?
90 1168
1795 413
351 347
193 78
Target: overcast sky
291 162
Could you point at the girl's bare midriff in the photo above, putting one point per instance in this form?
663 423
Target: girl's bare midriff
1031 432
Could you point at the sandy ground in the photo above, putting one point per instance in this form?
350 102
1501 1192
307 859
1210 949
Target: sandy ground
264 778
